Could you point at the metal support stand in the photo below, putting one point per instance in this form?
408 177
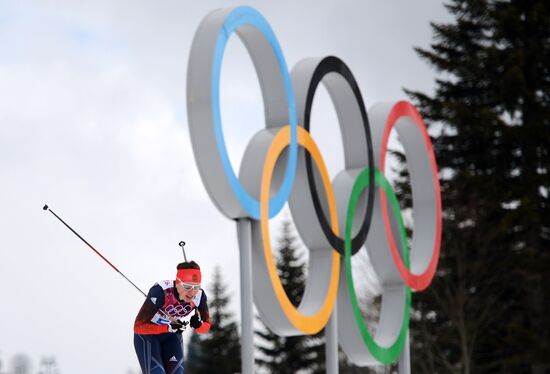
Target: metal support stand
247 316
331 345
404 363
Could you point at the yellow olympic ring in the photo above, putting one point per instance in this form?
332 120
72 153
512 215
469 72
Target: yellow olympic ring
308 324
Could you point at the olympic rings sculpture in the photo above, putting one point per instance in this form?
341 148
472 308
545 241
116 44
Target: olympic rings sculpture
281 158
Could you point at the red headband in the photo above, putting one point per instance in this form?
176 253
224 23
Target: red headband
189 275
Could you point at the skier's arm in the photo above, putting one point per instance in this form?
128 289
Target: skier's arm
204 315
151 305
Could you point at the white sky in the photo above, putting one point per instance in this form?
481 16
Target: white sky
93 122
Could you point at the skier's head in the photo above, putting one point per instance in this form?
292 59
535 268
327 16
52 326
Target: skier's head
188 280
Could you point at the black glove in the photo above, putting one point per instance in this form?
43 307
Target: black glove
177 326
195 321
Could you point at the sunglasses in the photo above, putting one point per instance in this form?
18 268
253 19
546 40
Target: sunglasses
189 286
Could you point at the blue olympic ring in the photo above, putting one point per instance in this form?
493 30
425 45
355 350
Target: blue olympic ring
239 16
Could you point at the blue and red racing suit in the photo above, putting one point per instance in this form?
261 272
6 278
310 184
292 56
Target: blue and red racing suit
160 351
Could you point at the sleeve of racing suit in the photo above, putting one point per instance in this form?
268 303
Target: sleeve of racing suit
205 315
151 305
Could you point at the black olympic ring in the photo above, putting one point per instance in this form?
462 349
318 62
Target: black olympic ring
328 65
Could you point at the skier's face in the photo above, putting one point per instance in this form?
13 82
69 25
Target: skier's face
187 291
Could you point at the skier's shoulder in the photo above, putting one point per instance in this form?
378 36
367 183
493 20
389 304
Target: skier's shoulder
200 298
158 290
165 284
197 299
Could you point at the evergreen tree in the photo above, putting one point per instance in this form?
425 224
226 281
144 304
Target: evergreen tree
195 357
21 364
486 310
48 365
219 351
291 354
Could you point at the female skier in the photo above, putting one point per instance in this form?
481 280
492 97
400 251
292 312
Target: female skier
164 316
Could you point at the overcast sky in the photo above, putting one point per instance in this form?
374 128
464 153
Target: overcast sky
93 122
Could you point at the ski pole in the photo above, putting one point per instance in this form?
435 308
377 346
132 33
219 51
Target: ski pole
95 250
104 259
182 245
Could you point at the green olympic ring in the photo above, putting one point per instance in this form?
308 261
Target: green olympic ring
385 355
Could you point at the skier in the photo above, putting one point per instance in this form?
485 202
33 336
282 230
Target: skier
164 316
